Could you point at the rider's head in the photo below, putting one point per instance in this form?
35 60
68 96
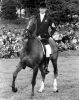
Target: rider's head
42 8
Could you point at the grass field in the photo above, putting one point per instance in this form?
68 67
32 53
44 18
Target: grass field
68 78
68 81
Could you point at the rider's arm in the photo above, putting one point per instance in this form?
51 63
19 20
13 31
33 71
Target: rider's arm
52 25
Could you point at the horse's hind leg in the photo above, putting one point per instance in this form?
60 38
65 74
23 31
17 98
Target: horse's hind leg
35 71
43 79
18 69
54 62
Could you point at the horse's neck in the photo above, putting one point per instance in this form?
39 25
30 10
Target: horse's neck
30 45
30 41
32 26
31 38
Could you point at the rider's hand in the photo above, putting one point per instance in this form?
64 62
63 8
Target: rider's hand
53 25
39 37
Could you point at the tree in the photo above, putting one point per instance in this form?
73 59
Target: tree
9 9
60 9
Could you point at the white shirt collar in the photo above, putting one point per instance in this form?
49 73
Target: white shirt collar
42 17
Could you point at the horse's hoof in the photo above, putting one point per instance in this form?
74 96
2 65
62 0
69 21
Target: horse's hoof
32 94
14 89
55 91
40 91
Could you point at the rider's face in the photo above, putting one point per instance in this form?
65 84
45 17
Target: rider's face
42 10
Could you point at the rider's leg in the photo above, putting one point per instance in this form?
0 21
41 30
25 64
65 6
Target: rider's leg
46 65
48 52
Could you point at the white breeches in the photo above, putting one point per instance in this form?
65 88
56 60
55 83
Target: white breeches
48 50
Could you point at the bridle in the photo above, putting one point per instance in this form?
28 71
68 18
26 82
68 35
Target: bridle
28 32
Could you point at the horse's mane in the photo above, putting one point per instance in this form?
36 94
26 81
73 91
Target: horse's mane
32 25
31 28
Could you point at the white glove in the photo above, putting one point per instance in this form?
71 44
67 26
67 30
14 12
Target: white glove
53 25
39 37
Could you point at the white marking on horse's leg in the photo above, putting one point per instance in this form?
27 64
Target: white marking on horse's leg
55 85
42 87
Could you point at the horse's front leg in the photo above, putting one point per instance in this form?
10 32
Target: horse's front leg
43 79
35 71
18 69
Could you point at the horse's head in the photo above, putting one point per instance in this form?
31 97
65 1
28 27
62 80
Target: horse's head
31 28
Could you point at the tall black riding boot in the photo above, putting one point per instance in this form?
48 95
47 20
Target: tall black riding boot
46 65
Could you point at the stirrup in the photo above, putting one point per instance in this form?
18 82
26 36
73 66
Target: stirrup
46 71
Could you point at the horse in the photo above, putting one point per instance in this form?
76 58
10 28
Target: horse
32 55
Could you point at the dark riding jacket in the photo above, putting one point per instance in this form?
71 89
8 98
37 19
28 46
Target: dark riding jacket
42 27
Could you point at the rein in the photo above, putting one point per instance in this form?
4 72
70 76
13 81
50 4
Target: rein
43 47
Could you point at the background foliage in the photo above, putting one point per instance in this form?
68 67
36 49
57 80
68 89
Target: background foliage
59 9
9 9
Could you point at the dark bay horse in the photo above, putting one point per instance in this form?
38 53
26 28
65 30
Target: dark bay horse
32 55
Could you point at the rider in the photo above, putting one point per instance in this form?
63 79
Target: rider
43 22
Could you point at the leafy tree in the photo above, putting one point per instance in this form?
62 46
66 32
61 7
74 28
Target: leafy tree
8 9
60 9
